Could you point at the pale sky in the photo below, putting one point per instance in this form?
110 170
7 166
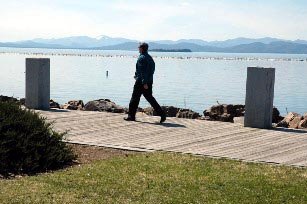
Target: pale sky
153 20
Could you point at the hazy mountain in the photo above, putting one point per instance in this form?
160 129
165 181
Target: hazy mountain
225 43
172 42
274 47
78 41
256 47
300 41
30 44
241 41
154 45
239 45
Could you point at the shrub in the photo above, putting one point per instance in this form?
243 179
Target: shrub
28 144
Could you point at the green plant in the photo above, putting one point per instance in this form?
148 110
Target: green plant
28 144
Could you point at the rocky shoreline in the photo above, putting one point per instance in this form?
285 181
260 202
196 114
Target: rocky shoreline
221 112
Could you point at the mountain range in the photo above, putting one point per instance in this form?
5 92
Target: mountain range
237 45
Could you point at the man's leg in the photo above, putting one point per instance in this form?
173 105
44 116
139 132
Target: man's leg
135 100
153 102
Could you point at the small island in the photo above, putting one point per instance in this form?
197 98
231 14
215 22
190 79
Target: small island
171 50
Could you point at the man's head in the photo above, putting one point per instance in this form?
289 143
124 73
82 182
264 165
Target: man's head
143 47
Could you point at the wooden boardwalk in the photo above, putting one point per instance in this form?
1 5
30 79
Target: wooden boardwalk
213 139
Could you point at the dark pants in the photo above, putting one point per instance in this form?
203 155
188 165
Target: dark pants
138 90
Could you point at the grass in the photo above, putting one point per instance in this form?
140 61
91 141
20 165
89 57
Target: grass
161 178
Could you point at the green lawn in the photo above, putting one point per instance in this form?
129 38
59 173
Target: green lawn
161 178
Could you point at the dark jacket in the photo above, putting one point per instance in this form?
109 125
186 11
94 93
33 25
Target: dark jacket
145 68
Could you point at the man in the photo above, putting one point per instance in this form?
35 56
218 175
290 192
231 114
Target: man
145 68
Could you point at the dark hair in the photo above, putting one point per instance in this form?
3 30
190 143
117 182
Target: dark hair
144 46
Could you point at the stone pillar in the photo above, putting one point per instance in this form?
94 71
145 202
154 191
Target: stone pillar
37 83
259 97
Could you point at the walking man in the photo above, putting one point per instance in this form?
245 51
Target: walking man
145 68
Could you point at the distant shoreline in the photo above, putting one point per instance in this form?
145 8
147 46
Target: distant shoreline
134 54
221 51
170 50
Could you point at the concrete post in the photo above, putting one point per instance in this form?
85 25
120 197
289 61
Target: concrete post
259 97
37 83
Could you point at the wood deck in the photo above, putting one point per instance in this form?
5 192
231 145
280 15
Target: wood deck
213 139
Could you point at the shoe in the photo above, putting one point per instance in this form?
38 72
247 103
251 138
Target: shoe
163 118
129 119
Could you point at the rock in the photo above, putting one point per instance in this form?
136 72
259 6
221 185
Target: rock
303 124
148 111
170 111
290 116
239 110
276 118
291 120
282 123
22 101
226 117
54 104
138 110
217 110
305 116
227 112
295 122
229 109
8 99
105 105
203 118
224 112
187 113
74 105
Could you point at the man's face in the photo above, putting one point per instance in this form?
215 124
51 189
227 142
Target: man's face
140 50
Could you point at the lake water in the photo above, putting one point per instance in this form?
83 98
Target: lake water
189 80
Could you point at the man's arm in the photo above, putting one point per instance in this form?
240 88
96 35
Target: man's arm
143 65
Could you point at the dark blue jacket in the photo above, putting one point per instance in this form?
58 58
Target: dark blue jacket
145 68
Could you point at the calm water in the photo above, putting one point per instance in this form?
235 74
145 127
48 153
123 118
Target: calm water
191 80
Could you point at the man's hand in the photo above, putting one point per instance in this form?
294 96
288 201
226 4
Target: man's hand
145 86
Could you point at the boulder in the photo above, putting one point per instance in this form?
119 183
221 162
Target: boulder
292 120
229 109
170 111
22 101
217 110
226 117
8 99
54 104
239 110
74 105
305 116
187 113
276 118
148 111
104 105
224 112
290 116
283 124
203 118
227 112
295 122
303 124
138 110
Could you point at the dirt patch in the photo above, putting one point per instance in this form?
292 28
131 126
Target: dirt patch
87 154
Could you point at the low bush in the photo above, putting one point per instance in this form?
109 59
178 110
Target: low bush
28 144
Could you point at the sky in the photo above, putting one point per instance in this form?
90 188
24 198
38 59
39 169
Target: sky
153 20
